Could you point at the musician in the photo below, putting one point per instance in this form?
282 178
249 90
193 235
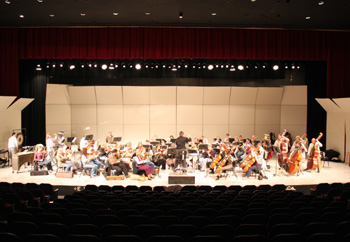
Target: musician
12 146
102 155
204 140
141 165
87 162
40 157
171 158
63 159
217 140
50 143
258 154
60 139
299 146
316 145
159 157
145 156
229 163
181 142
115 163
83 143
227 138
109 138
240 140
267 147
205 156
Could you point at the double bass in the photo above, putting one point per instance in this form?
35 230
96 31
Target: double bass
295 158
313 156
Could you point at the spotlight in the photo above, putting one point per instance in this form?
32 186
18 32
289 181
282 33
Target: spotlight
61 64
95 65
178 67
232 68
7 1
89 65
210 67
240 67
21 16
130 65
111 66
181 15
204 66
222 66
116 65
146 65
157 66
186 65
104 67
321 3
40 1
293 66
137 66
38 67
174 68
47 65
216 66
164 66
298 67
123 65
53 65
194 66
82 65
275 67
264 65
71 67
286 66
227 66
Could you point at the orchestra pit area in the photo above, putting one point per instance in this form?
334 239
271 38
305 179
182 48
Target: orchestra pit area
42 212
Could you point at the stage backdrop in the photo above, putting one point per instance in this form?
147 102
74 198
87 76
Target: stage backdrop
138 113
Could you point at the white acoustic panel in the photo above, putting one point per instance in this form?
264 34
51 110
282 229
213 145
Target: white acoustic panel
116 129
136 133
294 95
261 130
110 114
82 95
328 105
163 131
20 104
335 132
242 114
54 128
243 95
163 95
58 114
9 120
163 114
189 130
189 114
216 95
343 104
269 96
136 114
215 114
82 114
80 130
136 95
267 115
211 131
5 102
246 130
57 94
190 95
109 95
296 115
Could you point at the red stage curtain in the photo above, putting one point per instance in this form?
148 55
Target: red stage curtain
168 43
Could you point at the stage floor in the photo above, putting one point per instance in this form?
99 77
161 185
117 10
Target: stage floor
334 172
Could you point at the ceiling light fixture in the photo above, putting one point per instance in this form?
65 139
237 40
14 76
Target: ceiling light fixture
240 67
82 65
51 15
138 66
147 13
308 18
61 64
21 16
104 67
115 14
111 66
40 1
82 14
7 1
71 67
174 68
210 67
181 15
275 67
321 3
213 14
232 69
53 65
38 67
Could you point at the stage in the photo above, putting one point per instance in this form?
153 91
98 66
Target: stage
330 173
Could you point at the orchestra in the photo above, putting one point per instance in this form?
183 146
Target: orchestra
198 154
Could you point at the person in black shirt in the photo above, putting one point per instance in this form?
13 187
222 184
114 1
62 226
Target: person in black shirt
181 142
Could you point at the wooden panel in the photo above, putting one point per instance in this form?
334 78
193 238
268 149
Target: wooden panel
243 95
294 95
136 95
269 96
215 114
57 94
189 114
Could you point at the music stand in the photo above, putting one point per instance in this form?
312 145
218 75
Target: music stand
231 140
160 140
117 139
203 146
155 143
172 152
147 147
214 146
163 147
173 140
277 150
89 136
217 151
71 139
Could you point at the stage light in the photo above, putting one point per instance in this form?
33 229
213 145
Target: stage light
157 65
104 67
308 18
217 66
275 67
61 64
293 66
181 15
178 67
147 13
38 67
321 3
194 66
286 66
227 66
123 65
213 14
164 66
298 67
111 66
174 68
53 65
82 65
232 68
115 14
240 67
264 65
51 15
47 65
210 67
130 65
40 1
71 67
95 65
116 65
83 14
7 1
89 65
186 65
222 66
137 66
21 16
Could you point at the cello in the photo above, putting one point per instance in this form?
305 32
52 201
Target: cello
313 156
223 161
223 147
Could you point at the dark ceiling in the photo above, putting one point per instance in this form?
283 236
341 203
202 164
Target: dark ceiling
287 14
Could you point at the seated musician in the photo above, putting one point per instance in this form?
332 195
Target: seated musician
109 138
227 138
146 156
159 157
299 146
217 140
141 165
205 156
258 154
240 140
63 159
102 155
41 157
171 158
230 161
115 163
126 152
87 162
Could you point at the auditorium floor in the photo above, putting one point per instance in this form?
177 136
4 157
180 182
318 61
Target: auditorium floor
332 172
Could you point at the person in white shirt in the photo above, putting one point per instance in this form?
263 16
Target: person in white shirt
50 147
12 147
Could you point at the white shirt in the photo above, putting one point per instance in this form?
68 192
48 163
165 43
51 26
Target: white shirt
50 144
12 142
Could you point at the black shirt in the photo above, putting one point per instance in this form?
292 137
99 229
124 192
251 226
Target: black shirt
181 142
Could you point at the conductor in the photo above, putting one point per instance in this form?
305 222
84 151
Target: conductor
181 142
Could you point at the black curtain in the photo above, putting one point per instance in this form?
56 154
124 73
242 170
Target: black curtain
33 85
316 80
